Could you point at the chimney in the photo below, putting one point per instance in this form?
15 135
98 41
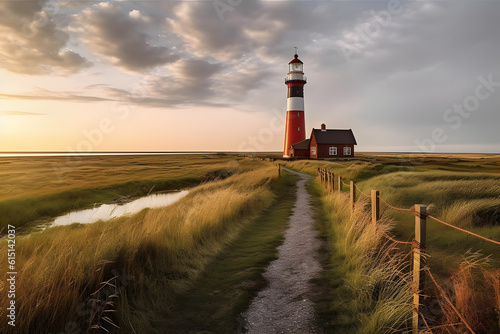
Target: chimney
323 127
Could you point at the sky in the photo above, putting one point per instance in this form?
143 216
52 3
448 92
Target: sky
76 76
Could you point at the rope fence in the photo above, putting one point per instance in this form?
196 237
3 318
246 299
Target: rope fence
462 230
413 211
362 193
418 244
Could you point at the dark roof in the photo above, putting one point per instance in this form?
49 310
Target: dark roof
330 136
301 145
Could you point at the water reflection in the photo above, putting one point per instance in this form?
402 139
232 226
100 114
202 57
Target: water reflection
109 211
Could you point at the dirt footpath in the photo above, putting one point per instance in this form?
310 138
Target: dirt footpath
283 306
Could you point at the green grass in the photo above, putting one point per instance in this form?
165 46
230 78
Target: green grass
21 211
368 277
38 188
212 246
333 299
233 278
463 190
164 250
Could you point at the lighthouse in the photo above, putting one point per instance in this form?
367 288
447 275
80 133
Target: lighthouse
295 130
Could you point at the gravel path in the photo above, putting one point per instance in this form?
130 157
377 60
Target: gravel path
283 306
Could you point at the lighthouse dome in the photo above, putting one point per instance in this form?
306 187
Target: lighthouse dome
295 59
296 65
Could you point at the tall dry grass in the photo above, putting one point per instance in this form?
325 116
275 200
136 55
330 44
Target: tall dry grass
377 271
31 189
474 294
22 177
460 193
154 253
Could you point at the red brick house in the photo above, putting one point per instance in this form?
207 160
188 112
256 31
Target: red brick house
325 144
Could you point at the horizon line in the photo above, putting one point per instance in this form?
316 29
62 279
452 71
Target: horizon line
219 152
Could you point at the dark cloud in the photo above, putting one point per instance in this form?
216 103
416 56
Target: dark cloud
256 27
111 30
392 91
205 35
192 83
33 43
403 79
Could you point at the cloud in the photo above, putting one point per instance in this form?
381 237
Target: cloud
33 43
47 95
19 113
427 59
191 83
395 89
119 35
243 30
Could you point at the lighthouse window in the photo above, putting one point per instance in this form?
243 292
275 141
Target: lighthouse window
298 129
347 150
298 114
332 150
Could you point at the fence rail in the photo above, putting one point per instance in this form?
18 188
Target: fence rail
418 244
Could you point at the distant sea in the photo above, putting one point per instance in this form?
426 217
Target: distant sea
64 154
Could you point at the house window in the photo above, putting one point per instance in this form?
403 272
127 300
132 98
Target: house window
313 150
332 150
347 150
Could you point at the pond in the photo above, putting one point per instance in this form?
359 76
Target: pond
110 211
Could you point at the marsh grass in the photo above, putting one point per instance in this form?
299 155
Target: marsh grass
34 189
218 296
163 249
474 292
22 211
458 192
37 176
375 271
440 189
463 190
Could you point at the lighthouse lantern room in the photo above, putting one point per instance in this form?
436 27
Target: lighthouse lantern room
295 130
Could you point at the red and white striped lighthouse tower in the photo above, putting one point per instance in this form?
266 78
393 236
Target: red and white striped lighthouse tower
295 129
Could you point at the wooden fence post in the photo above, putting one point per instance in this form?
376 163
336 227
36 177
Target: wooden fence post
279 170
353 196
340 184
375 206
418 261
327 181
332 178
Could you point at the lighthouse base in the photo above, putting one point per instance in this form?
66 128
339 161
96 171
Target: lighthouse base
295 129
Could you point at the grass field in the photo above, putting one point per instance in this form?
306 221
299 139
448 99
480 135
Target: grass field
463 190
35 188
223 291
148 258
156 270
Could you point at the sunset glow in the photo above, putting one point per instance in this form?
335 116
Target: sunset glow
198 76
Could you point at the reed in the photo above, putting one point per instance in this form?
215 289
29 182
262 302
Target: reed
157 252
376 274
